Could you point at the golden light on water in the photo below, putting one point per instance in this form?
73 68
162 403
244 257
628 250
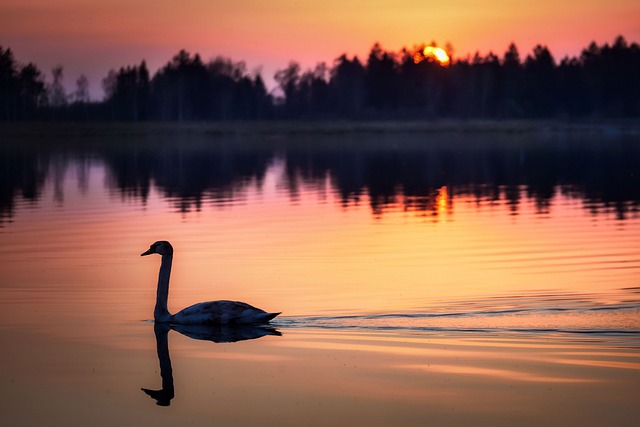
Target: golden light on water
442 201
432 53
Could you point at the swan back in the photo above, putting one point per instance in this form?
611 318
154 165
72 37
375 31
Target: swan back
222 312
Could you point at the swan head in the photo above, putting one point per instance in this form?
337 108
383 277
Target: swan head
161 247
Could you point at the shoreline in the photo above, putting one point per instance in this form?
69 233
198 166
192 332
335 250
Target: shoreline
551 127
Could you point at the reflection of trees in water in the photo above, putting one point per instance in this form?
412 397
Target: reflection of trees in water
390 170
411 170
26 168
188 173
22 174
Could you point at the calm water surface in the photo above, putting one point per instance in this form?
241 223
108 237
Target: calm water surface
423 278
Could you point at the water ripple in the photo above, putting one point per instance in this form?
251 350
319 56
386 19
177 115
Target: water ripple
534 313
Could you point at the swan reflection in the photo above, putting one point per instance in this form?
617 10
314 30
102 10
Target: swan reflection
216 334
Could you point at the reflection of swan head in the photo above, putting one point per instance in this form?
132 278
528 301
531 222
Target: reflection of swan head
162 397
205 313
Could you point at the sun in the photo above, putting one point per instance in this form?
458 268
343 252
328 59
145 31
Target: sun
437 53
432 53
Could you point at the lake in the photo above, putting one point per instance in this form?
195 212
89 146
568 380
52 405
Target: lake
425 276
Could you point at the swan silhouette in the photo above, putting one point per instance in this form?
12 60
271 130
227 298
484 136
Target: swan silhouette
205 313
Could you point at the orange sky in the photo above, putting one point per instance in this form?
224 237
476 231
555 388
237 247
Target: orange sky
92 37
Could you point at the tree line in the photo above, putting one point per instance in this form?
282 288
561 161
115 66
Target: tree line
602 82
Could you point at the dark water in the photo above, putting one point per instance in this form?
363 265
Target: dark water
416 272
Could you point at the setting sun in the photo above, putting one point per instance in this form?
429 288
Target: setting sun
431 53
436 53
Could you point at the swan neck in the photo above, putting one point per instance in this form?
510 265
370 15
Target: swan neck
161 312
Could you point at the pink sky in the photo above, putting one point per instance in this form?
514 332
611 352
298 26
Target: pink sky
93 37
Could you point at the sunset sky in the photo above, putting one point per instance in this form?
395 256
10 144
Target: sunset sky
92 37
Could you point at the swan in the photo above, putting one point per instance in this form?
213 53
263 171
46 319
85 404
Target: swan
205 313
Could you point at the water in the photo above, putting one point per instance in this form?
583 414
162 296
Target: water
408 266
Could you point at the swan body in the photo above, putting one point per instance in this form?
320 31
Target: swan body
205 313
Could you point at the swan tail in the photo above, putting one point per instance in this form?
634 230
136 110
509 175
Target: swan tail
269 316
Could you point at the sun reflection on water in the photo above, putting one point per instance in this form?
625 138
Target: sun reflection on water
442 201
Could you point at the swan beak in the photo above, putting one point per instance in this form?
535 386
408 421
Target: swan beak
149 252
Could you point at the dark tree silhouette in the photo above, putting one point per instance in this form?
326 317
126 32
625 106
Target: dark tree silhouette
512 96
288 80
382 80
188 89
600 83
32 91
56 92
8 85
347 90
22 89
540 83
127 93
611 76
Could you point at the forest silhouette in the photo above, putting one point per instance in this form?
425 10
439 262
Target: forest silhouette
602 82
